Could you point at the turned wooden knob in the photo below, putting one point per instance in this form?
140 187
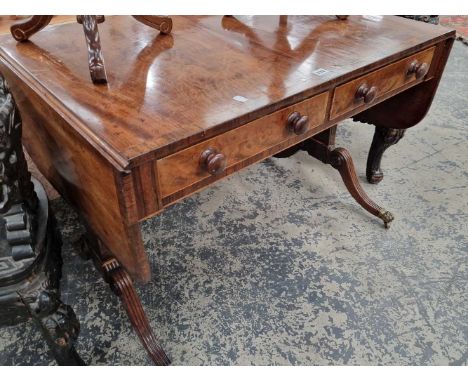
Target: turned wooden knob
297 123
212 161
418 68
366 93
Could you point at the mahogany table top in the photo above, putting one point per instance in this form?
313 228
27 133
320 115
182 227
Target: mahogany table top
212 74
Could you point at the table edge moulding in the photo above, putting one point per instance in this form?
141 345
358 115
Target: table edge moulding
214 96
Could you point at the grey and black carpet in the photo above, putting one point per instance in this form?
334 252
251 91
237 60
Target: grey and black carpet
278 265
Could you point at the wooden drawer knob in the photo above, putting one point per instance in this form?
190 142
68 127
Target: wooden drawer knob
418 68
297 123
366 93
212 161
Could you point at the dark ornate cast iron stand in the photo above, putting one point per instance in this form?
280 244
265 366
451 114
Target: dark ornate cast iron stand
30 245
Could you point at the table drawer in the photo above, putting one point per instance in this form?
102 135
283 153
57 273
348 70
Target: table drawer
227 152
367 89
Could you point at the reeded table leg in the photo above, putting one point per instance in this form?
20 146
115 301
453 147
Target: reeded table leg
121 284
383 139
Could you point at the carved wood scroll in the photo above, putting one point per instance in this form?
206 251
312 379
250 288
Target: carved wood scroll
23 30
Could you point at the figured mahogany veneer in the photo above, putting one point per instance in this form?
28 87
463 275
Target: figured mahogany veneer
368 88
123 151
24 30
182 111
181 173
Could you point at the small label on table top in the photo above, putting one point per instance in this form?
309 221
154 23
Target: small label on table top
372 17
239 98
320 72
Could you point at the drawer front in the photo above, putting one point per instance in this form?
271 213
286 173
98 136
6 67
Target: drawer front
367 89
233 149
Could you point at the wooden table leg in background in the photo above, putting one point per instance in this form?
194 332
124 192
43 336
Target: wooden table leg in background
322 147
383 139
116 177
392 117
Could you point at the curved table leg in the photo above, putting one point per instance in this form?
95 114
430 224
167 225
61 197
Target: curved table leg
402 111
23 30
341 160
121 284
322 147
383 139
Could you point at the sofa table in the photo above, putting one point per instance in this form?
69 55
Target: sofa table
182 111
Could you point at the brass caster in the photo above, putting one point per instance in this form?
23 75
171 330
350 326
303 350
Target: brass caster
387 217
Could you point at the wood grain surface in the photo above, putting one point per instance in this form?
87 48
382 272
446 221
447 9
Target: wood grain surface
80 174
182 171
125 150
183 90
389 78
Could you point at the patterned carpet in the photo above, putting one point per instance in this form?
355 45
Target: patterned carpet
460 23
279 266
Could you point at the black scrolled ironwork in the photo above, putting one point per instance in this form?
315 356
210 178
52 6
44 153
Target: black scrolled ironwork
30 245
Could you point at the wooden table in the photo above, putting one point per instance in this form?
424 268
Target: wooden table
185 110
